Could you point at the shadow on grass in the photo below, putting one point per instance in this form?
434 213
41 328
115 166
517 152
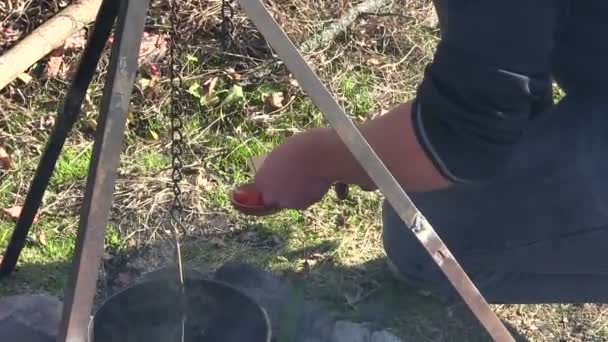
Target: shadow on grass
365 292
368 292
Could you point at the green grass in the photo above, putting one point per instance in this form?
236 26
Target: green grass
72 166
357 88
43 263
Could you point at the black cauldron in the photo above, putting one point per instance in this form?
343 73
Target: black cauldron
150 312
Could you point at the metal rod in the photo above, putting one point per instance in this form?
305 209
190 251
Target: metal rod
105 159
66 118
375 168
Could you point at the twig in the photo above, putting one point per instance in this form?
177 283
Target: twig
329 33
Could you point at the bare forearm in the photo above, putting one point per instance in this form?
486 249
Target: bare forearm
393 138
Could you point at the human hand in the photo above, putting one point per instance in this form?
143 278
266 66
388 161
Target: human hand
296 174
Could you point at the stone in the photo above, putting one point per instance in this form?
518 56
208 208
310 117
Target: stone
384 336
311 322
263 287
350 332
30 318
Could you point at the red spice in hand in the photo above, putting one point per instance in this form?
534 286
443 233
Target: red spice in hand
248 197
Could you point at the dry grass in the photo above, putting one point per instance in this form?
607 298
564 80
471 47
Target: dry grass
335 247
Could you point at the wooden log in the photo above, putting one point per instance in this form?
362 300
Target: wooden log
46 38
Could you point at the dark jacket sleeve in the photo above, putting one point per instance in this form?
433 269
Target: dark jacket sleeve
490 75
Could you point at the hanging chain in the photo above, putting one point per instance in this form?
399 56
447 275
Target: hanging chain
176 97
176 110
227 24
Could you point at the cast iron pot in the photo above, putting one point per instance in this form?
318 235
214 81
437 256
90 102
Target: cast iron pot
149 311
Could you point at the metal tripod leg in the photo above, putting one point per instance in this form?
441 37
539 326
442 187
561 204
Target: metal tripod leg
375 168
65 122
82 286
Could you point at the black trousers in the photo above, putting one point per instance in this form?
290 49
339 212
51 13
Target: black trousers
538 234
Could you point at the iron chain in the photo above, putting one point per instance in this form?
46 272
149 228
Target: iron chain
227 24
177 95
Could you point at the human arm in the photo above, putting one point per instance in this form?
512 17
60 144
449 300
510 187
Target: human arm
489 77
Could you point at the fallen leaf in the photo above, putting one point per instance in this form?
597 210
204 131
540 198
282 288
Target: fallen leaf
153 135
5 160
155 71
53 66
15 212
153 46
47 121
42 238
373 61
76 42
204 182
275 100
144 83
210 86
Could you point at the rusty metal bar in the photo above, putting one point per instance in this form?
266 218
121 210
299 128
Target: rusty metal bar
105 159
66 119
375 168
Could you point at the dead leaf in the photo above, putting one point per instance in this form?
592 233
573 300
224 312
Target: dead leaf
47 121
15 212
373 61
144 83
153 47
155 71
275 100
42 238
76 42
5 160
203 182
210 86
53 66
